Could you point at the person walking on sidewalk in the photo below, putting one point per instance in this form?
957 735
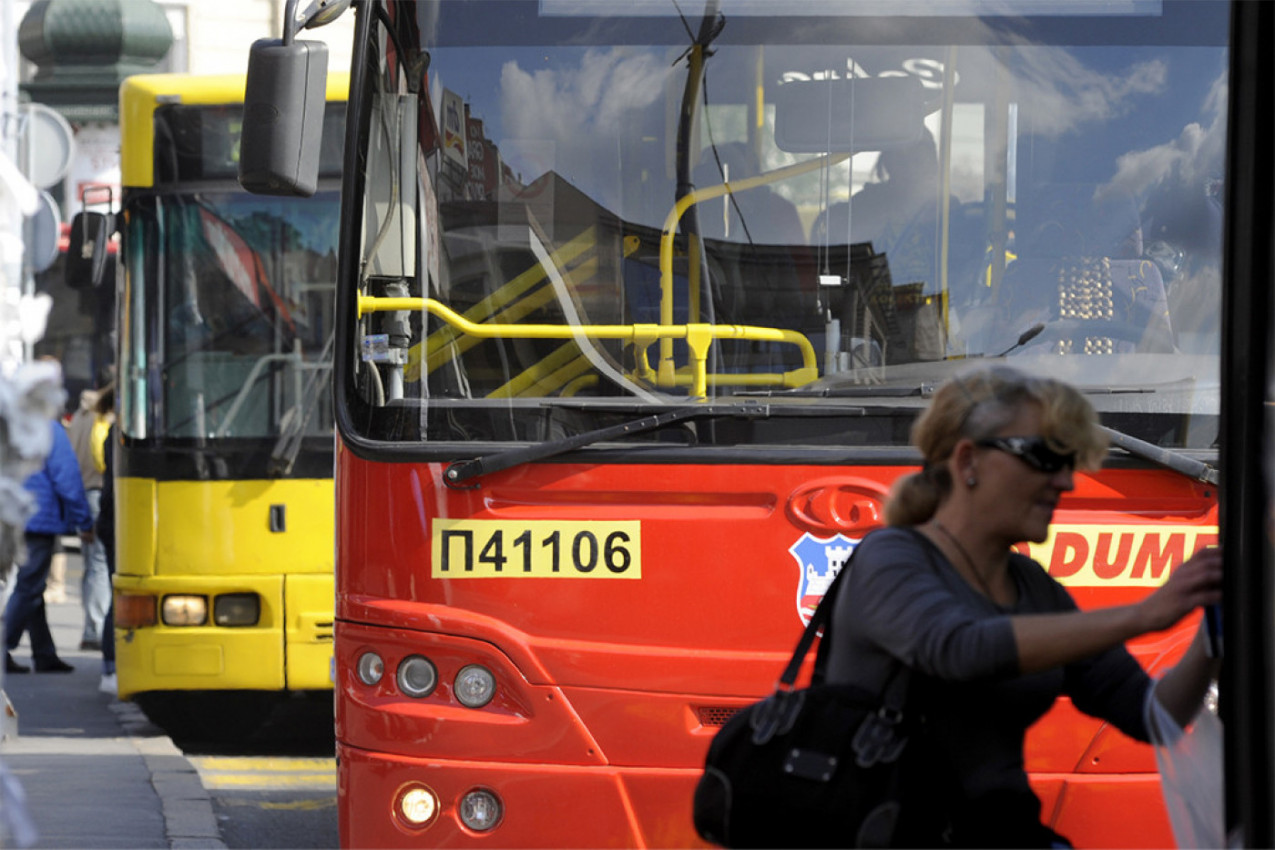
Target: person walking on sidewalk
87 431
61 509
106 534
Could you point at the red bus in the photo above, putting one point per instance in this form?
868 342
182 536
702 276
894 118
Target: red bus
636 305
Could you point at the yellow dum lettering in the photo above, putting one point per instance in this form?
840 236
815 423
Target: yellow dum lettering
1119 556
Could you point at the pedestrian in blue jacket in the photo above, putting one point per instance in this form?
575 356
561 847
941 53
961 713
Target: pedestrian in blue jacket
62 509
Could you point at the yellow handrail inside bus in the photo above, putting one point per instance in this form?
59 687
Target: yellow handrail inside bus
578 384
561 366
666 370
496 305
698 336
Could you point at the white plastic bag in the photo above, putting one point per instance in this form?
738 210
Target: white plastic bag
1191 773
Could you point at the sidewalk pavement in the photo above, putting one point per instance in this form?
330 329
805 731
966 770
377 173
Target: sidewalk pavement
94 771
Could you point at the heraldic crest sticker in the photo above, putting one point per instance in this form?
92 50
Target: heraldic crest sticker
820 559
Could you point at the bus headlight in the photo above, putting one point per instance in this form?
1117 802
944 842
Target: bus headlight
417 806
179 609
480 810
416 676
475 686
237 609
370 668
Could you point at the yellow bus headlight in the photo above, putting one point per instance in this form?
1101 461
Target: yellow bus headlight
180 609
237 609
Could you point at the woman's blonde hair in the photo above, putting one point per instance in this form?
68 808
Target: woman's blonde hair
976 405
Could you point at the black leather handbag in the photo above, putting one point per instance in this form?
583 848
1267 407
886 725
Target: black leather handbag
822 766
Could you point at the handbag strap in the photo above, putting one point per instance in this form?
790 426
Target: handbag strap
894 691
820 618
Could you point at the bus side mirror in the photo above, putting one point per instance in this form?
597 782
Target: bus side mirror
284 98
86 249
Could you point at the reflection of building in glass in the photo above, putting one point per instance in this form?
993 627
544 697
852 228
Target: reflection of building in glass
467 163
249 286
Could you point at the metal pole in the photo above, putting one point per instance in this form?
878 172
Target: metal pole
1247 684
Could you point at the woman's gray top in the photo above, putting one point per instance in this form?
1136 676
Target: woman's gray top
904 600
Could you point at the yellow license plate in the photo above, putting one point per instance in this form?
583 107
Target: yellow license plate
484 548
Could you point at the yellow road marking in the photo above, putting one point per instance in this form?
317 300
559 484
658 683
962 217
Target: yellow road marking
220 772
294 805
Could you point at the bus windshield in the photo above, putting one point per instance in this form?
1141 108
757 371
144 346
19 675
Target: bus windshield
571 216
244 305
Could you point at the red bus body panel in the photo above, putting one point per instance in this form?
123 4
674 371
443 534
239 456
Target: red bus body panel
610 686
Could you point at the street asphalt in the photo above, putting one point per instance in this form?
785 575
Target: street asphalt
80 769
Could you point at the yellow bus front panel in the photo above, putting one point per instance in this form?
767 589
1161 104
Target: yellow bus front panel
200 657
219 528
224 585
308 604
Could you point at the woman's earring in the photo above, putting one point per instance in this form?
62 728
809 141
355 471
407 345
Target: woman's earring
971 482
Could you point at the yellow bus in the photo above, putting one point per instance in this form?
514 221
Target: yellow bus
224 496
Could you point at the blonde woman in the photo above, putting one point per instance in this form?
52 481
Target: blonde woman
991 638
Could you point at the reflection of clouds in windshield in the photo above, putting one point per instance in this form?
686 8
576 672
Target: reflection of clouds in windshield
576 108
1061 94
1057 91
1193 158
1180 212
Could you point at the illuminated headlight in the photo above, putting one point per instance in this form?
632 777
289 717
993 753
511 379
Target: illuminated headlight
417 806
416 676
184 610
370 668
475 686
237 609
480 810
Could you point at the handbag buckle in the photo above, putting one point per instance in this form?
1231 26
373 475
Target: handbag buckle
878 739
775 715
810 764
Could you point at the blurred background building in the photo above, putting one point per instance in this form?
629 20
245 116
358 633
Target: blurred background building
64 61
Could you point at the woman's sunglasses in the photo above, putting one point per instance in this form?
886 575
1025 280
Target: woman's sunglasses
1033 451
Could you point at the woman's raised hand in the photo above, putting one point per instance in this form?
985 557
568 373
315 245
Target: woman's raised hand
1195 582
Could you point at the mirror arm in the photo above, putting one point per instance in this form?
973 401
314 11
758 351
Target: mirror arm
318 13
289 21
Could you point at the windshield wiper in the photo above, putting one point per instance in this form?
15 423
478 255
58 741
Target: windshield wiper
851 391
463 470
1176 461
